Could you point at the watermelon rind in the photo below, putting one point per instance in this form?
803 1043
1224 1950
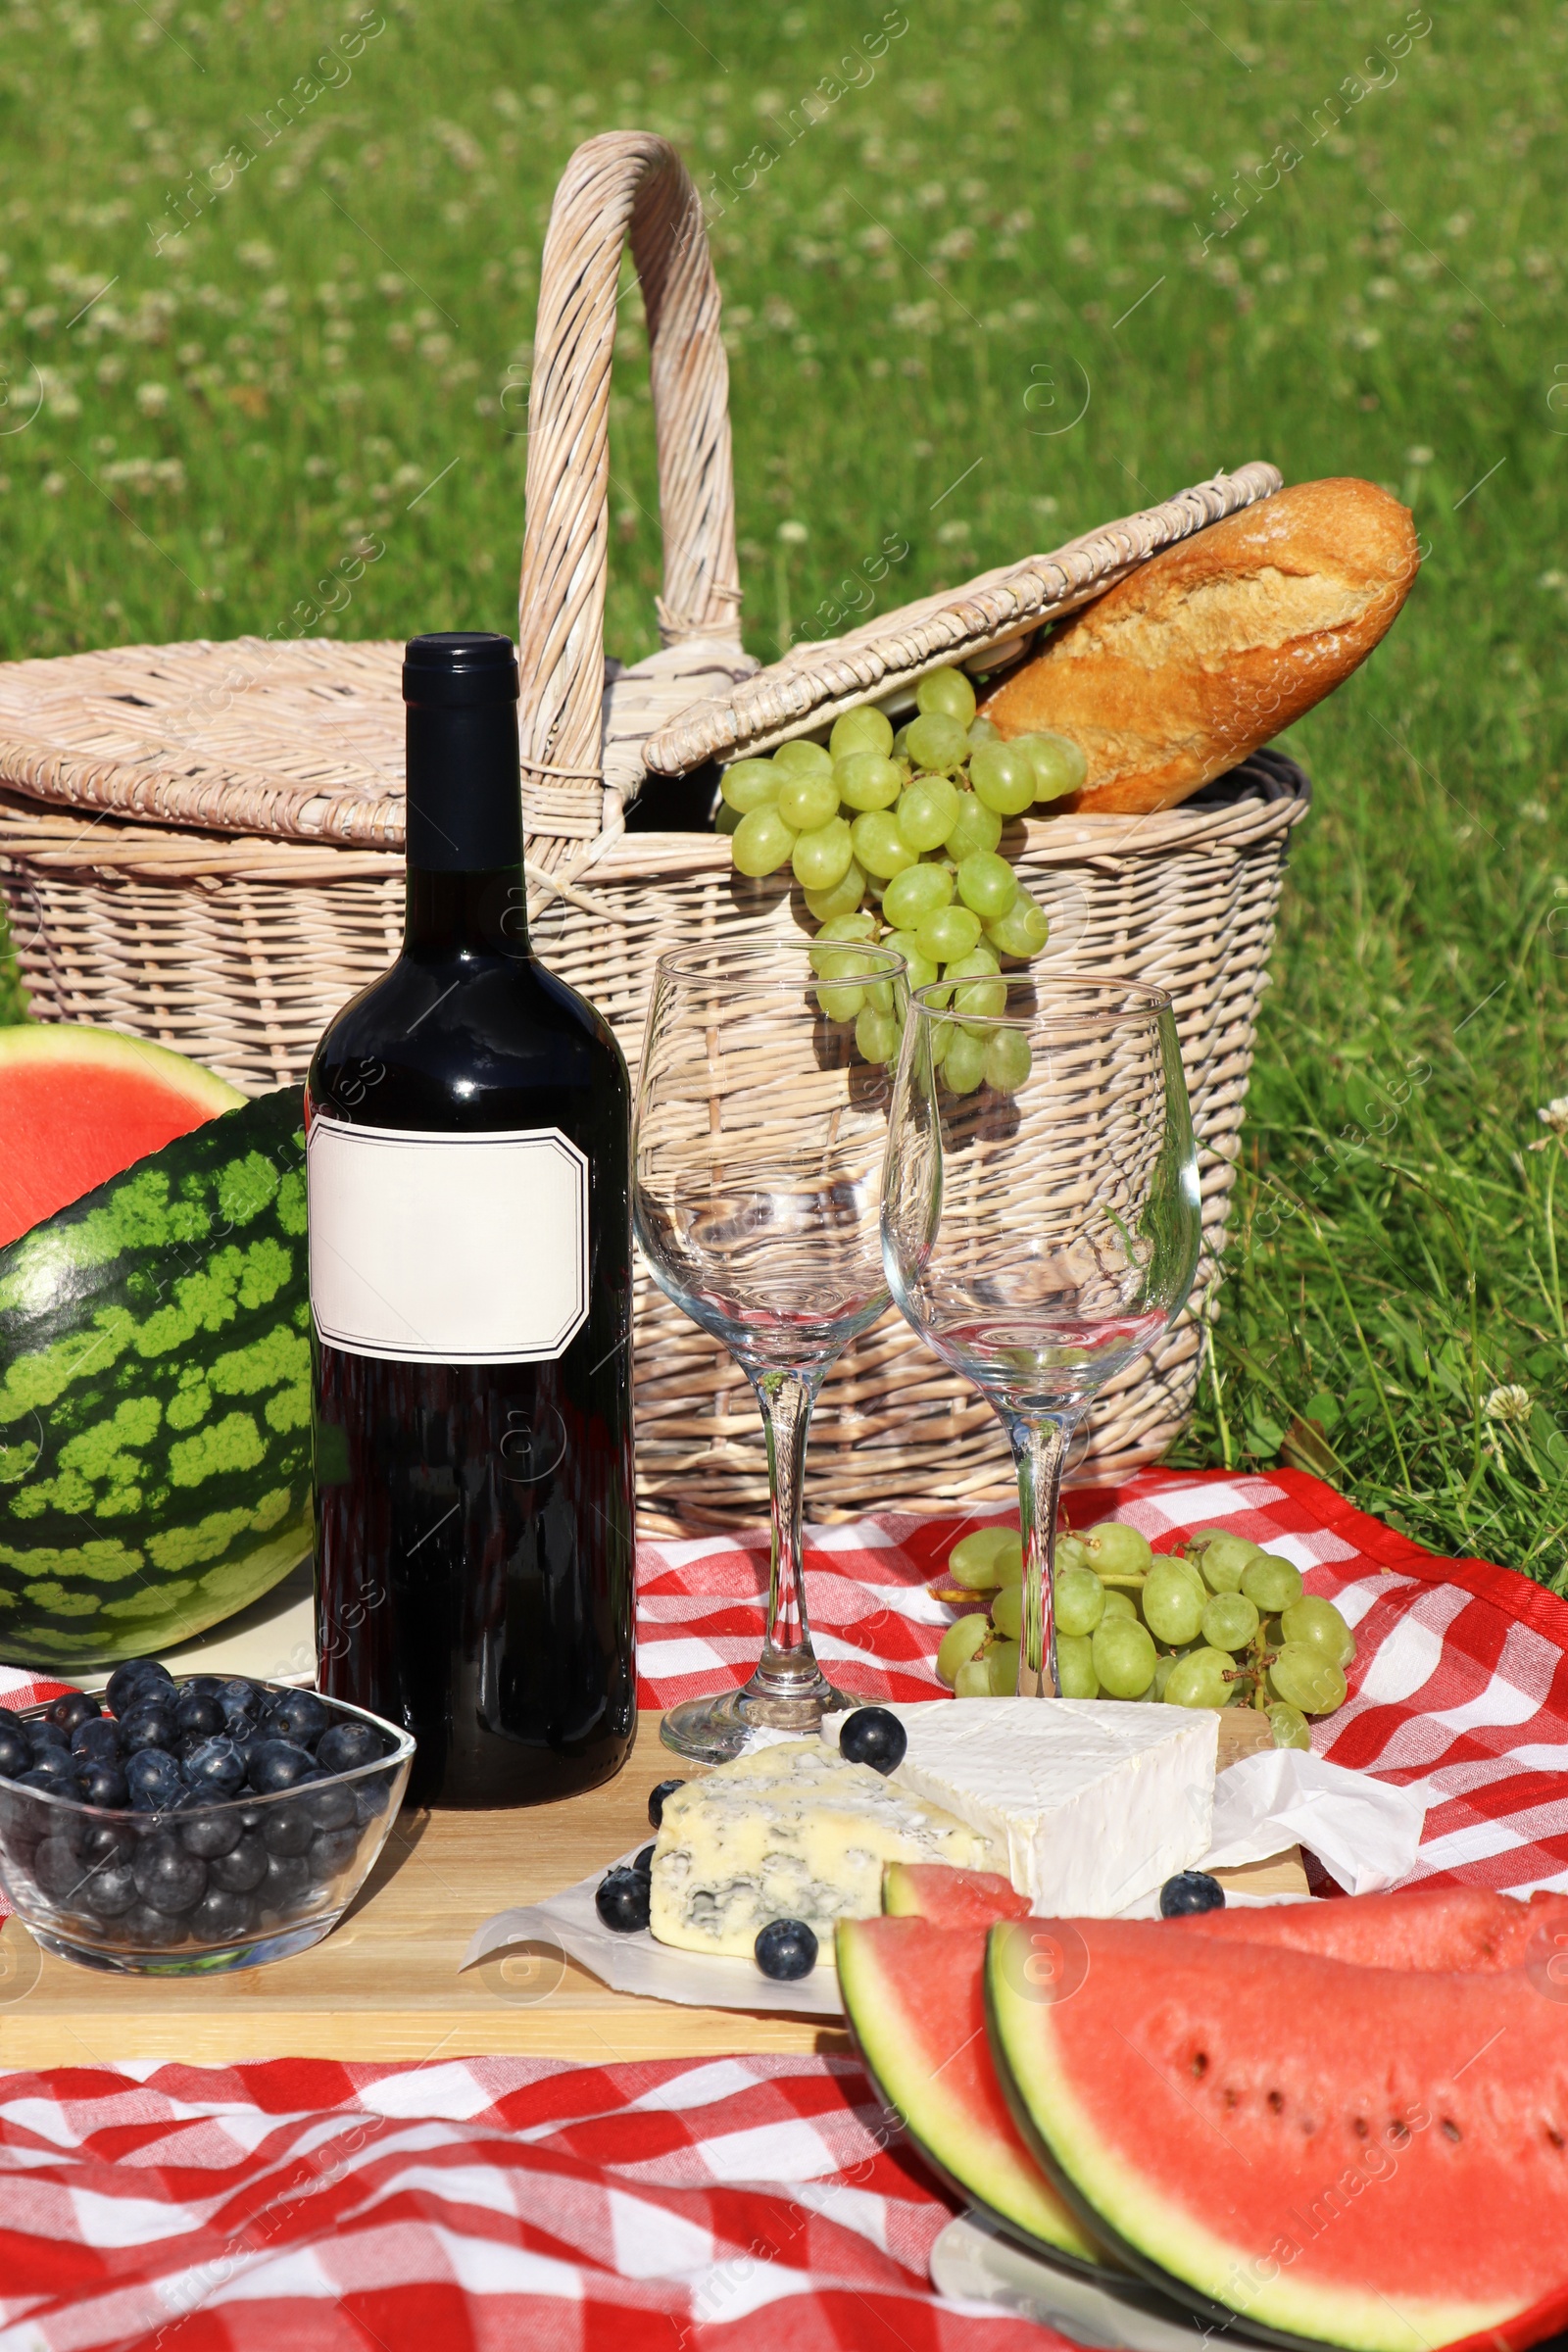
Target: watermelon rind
60 1044
903 2080
1160 2241
155 1397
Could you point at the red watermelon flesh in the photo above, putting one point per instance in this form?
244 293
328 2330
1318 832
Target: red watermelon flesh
78 1105
915 1997
947 1897
1373 2158
1465 1927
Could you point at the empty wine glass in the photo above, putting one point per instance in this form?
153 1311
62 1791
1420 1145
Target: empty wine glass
1041 1215
757 1152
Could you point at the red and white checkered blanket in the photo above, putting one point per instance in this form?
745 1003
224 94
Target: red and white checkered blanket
493 2203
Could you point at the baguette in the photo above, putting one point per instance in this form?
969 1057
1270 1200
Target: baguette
1212 648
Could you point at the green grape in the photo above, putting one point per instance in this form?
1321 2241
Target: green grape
1022 931
1119 1604
1319 1624
919 891
878 845
863 730
1199 1680
1164 1667
918 968
841 1004
1003 778
867 780
1124 1657
1172 1610
1116 1549
1289 1726
1007 1611
1080 1599
821 860
975 828
1174 1559
947 933
806 799
1009 1558
983 730
937 743
959 1645
763 843
1001 1658
987 884
1230 1621
1071 1553
752 784
1059 766
725 818
983 997
1222 1559
973 1560
842 899
963 1064
927 811
1008 1065
801 758
849 927
942 1035
1075 1666
972 1680
1304 1677
947 691
876 1035
1271 1581
900 741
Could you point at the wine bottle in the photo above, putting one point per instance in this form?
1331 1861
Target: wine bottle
468 1127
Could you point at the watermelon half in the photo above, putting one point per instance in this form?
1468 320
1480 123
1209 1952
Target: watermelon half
1464 1928
947 1897
78 1105
155 1397
914 1998
1365 2157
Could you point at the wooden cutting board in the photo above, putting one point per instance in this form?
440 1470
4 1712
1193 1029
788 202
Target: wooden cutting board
386 1984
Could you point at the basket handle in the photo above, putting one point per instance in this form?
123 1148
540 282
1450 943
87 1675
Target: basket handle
621 180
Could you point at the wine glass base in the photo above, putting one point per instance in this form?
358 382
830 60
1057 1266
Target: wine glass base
712 1730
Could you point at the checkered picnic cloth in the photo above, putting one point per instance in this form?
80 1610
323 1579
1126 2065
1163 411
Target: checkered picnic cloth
490 2203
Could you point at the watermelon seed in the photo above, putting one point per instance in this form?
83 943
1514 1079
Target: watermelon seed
1362 2129
1276 2101
1200 2063
1555 2136
1398 2133
1451 2130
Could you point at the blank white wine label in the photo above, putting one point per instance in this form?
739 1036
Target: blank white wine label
447 1249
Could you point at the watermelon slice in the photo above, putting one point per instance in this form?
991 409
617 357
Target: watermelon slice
1375 2158
914 1998
1466 1927
947 1897
78 1105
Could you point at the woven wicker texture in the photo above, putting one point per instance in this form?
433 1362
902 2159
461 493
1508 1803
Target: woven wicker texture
201 844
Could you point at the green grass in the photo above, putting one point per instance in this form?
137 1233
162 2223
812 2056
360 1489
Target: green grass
1009 207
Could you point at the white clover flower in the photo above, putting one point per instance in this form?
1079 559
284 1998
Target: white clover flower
794 534
1510 1403
1554 1115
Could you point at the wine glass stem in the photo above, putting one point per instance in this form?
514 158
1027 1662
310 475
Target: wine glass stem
1038 1449
788 1665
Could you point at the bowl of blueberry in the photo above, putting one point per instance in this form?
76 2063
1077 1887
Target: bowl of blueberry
184 1827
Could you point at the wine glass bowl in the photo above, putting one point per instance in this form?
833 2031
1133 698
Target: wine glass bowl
758 1156
1042 1233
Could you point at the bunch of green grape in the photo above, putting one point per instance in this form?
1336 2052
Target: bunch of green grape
1220 1624
893 840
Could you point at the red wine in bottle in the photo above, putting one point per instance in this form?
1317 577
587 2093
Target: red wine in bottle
467 1124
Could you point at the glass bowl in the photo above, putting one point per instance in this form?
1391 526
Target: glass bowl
202 1888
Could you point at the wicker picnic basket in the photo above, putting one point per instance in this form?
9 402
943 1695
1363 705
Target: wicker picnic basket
202 842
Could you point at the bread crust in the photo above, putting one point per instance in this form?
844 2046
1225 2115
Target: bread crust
1212 648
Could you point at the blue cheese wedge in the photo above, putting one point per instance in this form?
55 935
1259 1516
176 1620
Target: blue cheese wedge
790 1831
1090 1804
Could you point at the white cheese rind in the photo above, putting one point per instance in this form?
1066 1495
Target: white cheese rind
790 1831
1094 1802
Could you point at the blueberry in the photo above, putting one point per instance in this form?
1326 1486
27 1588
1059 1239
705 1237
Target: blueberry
332 1851
168 1877
154 1778
243 1867
656 1802
275 1764
222 1916
9 1720
209 1684
241 1697
15 1756
287 1884
332 1807
345 1746
71 1708
644 1863
301 1717
1191 1890
148 1727
370 1800
110 1892
138 1678
216 1829
215 1768
786 1948
287 1828
53 1784
622 1902
147 1929
43 1733
58 1871
104 1841
97 1739
58 1762
871 1736
199 1711
105 1784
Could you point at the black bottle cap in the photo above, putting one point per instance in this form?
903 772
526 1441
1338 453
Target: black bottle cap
459 670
